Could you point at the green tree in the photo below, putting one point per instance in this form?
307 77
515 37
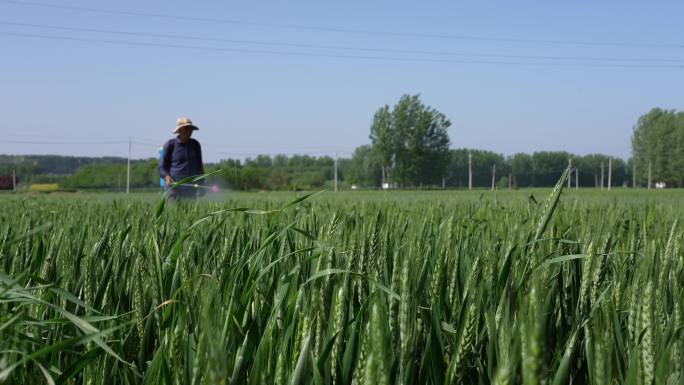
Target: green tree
144 173
657 143
522 169
364 168
482 165
411 142
590 165
548 166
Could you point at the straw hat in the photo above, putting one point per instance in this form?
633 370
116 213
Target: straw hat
184 122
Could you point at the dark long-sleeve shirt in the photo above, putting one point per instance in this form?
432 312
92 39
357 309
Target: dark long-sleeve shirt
181 160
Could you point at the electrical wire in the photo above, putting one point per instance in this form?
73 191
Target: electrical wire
160 142
119 138
50 142
336 47
341 30
336 56
272 154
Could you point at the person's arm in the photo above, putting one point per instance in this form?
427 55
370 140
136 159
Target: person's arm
165 164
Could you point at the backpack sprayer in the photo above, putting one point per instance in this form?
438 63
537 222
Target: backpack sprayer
162 182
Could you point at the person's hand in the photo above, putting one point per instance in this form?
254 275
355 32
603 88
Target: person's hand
168 180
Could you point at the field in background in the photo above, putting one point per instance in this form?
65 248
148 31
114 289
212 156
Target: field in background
396 287
44 187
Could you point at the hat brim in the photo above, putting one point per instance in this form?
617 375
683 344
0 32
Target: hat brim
193 127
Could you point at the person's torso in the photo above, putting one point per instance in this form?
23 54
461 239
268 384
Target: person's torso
185 159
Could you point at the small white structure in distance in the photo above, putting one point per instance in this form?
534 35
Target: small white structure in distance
660 185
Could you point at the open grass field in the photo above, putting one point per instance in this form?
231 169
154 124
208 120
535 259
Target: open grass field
439 287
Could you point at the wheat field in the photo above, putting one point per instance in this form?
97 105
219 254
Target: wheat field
402 288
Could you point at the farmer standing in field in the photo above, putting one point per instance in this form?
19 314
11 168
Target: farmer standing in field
182 157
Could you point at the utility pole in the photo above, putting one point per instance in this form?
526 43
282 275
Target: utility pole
470 170
576 178
601 175
128 171
493 176
335 171
610 171
649 175
14 180
570 167
510 181
443 183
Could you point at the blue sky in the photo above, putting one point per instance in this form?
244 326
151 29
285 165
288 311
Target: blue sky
76 92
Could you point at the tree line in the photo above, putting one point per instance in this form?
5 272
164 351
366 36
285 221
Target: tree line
409 148
281 172
50 168
539 169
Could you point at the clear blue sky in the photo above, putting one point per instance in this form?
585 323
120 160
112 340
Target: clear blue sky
246 103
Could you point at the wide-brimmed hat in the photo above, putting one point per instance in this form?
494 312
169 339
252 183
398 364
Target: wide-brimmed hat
184 122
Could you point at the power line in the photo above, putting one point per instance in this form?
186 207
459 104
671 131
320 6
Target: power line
336 56
261 153
264 149
319 150
122 138
273 152
341 30
51 142
78 143
157 145
333 47
157 142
